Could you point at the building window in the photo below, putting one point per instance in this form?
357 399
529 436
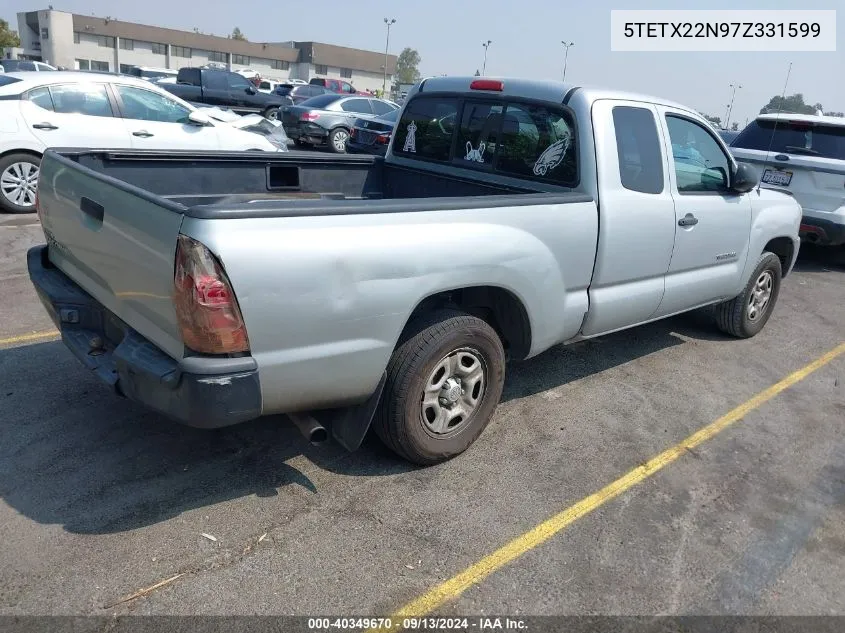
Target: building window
103 66
180 51
76 37
346 73
320 69
83 64
125 68
105 41
280 65
159 49
45 34
127 45
240 59
215 56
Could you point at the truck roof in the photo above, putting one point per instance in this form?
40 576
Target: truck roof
544 90
803 118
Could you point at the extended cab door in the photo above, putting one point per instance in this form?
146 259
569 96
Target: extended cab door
712 223
637 216
243 94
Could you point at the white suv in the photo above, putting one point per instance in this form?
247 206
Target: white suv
804 155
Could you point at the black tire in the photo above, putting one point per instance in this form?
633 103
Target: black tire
399 421
734 317
6 205
334 137
271 113
300 143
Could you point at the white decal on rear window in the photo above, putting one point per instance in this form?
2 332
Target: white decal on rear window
475 154
411 139
552 156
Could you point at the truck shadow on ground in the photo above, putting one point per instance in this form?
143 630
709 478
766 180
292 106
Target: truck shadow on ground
820 259
76 455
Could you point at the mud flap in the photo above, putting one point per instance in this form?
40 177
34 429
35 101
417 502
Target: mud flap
350 425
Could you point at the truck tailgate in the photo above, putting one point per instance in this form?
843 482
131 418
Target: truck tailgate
117 242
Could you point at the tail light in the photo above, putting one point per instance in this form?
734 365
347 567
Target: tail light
309 116
383 139
487 84
37 206
353 133
206 308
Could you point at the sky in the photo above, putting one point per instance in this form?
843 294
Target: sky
526 42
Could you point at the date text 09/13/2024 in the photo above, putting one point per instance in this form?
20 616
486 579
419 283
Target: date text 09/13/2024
418 624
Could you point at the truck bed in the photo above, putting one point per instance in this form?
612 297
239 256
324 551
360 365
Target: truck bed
236 184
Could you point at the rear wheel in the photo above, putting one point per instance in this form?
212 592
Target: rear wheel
18 181
745 315
272 114
444 382
337 140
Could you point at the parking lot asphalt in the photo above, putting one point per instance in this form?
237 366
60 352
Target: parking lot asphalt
101 499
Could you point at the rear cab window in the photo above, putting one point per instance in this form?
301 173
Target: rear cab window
511 137
806 138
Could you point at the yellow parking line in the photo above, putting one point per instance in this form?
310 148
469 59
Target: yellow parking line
26 338
455 586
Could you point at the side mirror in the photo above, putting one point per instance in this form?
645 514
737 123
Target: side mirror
199 118
251 90
744 178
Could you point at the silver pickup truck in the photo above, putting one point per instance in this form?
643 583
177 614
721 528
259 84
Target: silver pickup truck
354 291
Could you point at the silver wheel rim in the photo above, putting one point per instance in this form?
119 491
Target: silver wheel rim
273 115
18 183
453 392
340 139
761 294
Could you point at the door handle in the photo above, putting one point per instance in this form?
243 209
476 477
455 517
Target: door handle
92 209
45 126
142 134
688 220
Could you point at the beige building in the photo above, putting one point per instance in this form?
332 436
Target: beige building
90 43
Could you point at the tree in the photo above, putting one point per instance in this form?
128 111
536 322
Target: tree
407 71
8 37
735 126
793 104
717 121
839 114
237 35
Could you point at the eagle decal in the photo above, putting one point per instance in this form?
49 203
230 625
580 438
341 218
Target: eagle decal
552 156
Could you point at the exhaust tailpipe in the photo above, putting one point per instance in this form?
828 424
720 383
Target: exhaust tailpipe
312 430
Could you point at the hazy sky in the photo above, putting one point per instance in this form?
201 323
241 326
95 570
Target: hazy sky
526 41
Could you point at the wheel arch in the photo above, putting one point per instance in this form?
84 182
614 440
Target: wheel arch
784 248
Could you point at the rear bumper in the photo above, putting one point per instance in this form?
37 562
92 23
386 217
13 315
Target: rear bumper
307 132
822 231
134 366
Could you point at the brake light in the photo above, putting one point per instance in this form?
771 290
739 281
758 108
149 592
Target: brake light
206 308
383 139
37 206
309 116
487 84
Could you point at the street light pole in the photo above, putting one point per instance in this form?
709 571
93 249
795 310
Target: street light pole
486 45
731 105
386 46
566 56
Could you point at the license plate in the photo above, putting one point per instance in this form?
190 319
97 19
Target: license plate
777 177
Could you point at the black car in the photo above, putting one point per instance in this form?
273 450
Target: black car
327 119
372 136
300 92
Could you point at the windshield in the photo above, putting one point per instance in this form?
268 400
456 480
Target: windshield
320 101
390 116
806 138
5 80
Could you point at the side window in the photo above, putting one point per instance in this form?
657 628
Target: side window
144 105
238 82
638 148
348 88
478 134
426 127
41 98
538 142
215 81
380 107
700 163
361 106
89 99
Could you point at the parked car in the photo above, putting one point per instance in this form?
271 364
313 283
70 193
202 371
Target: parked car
372 136
396 295
76 109
268 85
300 92
153 74
21 65
209 86
272 129
728 135
326 120
337 85
805 155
